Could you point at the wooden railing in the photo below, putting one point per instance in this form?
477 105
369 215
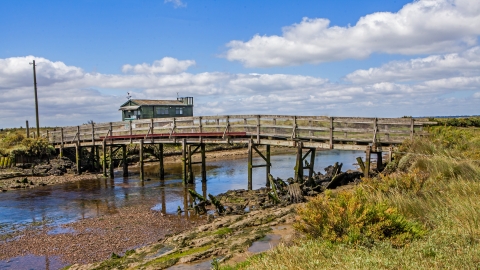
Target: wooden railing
329 130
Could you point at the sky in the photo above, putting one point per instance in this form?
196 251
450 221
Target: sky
376 58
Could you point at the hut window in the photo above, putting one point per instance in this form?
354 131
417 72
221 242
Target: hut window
162 110
178 111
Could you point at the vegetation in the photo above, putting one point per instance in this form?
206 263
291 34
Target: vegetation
424 214
459 122
15 142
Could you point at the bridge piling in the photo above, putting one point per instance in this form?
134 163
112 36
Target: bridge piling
104 164
366 173
160 158
124 160
250 165
184 161
78 151
204 167
110 164
142 173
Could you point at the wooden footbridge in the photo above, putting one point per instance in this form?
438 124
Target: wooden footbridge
306 133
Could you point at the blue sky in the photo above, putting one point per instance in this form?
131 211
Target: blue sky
340 58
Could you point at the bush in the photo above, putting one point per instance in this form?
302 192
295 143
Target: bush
349 217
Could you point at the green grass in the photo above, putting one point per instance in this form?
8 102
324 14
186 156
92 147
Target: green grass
433 196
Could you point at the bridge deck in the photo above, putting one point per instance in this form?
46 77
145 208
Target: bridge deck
348 133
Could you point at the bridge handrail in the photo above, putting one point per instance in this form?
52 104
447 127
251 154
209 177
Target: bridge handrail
320 127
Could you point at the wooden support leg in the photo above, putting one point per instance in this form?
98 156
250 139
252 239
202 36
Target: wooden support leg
184 161
162 195
97 158
379 162
299 164
124 160
204 189
142 173
104 165
267 155
312 163
160 157
190 169
110 165
92 158
78 150
250 164
204 167
366 173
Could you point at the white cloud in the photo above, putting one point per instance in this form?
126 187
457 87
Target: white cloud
466 63
70 96
166 65
176 3
421 27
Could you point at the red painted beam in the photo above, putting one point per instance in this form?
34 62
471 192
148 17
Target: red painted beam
188 135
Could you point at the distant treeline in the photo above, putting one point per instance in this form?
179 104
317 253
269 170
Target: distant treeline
458 122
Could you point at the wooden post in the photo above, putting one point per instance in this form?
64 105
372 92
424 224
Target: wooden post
131 131
361 164
331 132
258 129
274 123
200 127
110 165
151 130
104 165
28 129
124 160
61 142
160 157
390 154
267 155
78 151
379 162
217 121
78 158
245 124
142 173
299 164
204 167
189 165
97 155
92 149
366 173
312 164
412 128
250 163
184 161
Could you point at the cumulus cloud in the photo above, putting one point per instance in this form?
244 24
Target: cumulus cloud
70 96
421 27
176 3
166 65
466 63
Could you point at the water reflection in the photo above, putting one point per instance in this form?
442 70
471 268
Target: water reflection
65 203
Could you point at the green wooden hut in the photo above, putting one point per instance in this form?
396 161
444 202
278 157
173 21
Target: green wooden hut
135 109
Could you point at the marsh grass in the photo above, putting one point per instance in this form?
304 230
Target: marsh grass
436 189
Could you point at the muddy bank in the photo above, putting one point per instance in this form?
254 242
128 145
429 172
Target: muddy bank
224 238
235 220
94 239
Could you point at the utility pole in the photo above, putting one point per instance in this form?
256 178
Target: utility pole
36 100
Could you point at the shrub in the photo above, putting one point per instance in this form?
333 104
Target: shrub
349 217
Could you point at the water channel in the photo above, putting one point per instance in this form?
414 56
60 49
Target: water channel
64 203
